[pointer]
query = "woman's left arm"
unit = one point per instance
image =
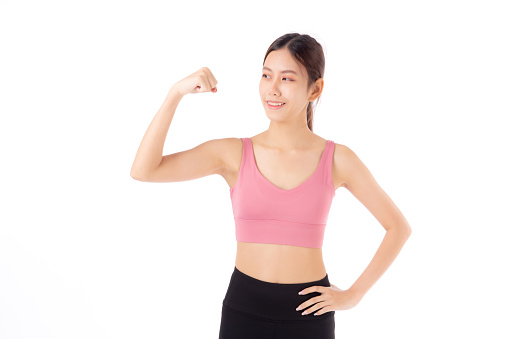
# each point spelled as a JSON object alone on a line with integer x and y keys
{"x": 361, "y": 183}
{"x": 356, "y": 177}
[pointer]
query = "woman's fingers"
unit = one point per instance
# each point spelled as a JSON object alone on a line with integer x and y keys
{"x": 199, "y": 82}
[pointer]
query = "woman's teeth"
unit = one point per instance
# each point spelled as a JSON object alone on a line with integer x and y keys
{"x": 276, "y": 105}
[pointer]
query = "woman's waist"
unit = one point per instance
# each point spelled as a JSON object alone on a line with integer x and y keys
{"x": 280, "y": 263}
{"x": 275, "y": 301}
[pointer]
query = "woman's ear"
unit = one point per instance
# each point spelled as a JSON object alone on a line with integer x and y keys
{"x": 317, "y": 89}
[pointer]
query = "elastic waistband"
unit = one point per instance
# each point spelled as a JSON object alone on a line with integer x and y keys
{"x": 324, "y": 280}
{"x": 273, "y": 301}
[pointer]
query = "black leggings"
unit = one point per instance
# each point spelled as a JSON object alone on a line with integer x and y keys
{"x": 256, "y": 309}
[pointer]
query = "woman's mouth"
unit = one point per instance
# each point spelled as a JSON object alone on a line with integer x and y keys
{"x": 275, "y": 105}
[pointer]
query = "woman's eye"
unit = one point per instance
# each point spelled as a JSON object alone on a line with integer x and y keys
{"x": 265, "y": 75}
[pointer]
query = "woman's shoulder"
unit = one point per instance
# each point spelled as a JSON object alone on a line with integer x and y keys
{"x": 346, "y": 163}
{"x": 343, "y": 154}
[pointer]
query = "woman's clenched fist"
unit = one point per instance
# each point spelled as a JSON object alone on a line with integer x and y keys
{"x": 199, "y": 82}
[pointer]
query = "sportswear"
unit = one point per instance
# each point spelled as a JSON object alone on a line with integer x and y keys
{"x": 265, "y": 213}
{"x": 258, "y": 309}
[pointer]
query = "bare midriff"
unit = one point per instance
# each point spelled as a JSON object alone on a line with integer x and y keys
{"x": 283, "y": 264}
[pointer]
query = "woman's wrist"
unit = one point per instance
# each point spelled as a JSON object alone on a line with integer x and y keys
{"x": 175, "y": 93}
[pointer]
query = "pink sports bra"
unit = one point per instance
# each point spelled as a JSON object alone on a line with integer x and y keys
{"x": 265, "y": 213}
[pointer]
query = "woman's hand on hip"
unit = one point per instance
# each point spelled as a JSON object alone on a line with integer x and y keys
{"x": 331, "y": 299}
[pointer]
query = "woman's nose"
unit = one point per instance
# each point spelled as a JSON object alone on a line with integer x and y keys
{"x": 274, "y": 89}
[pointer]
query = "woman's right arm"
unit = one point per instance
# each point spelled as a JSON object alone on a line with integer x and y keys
{"x": 202, "y": 160}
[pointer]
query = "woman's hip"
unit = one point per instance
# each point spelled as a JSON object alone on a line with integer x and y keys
{"x": 272, "y": 301}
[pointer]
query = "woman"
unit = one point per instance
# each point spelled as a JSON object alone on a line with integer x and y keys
{"x": 282, "y": 182}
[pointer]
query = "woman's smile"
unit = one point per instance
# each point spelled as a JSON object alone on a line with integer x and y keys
{"x": 275, "y": 105}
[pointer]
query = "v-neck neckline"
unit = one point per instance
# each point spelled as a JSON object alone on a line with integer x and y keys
{"x": 322, "y": 159}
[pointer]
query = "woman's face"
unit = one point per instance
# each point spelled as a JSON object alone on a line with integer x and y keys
{"x": 289, "y": 88}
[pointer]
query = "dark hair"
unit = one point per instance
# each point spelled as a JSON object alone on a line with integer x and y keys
{"x": 309, "y": 53}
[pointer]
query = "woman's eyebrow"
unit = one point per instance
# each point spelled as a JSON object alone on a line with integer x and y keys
{"x": 285, "y": 71}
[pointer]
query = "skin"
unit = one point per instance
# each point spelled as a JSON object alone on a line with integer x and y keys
{"x": 286, "y": 154}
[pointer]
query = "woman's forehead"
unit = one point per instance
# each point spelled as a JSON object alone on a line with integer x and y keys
{"x": 281, "y": 61}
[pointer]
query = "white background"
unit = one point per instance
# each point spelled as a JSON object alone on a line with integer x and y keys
{"x": 419, "y": 90}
